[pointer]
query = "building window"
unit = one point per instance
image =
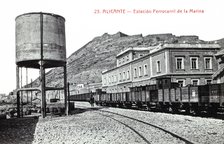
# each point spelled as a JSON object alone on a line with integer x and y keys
{"x": 181, "y": 82}
{"x": 194, "y": 63}
{"x": 105, "y": 81}
{"x": 119, "y": 61}
{"x": 145, "y": 69}
{"x": 140, "y": 71}
{"x": 128, "y": 75}
{"x": 135, "y": 72}
{"x": 208, "y": 63}
{"x": 120, "y": 76}
{"x": 179, "y": 63}
{"x": 158, "y": 68}
{"x": 124, "y": 76}
{"x": 134, "y": 55}
{"x": 109, "y": 79}
{"x": 208, "y": 81}
{"x": 127, "y": 58}
{"x": 195, "y": 82}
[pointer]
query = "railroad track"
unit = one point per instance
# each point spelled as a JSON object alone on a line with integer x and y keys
{"x": 126, "y": 125}
{"x": 123, "y": 119}
{"x": 144, "y": 123}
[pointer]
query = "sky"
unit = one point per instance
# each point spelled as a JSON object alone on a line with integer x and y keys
{"x": 86, "y": 19}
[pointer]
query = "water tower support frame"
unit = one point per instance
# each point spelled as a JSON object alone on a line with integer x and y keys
{"x": 47, "y": 32}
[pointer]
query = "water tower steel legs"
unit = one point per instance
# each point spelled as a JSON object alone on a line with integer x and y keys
{"x": 68, "y": 92}
{"x": 17, "y": 94}
{"x": 65, "y": 91}
{"x": 43, "y": 93}
{"x": 41, "y": 89}
{"x": 42, "y": 71}
{"x": 21, "y": 93}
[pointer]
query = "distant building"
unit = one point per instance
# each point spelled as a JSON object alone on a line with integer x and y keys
{"x": 93, "y": 87}
{"x": 84, "y": 88}
{"x": 218, "y": 76}
{"x": 185, "y": 63}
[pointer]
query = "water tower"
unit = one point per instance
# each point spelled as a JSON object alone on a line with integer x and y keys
{"x": 40, "y": 44}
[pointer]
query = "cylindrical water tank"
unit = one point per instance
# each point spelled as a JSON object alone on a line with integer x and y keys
{"x": 40, "y": 36}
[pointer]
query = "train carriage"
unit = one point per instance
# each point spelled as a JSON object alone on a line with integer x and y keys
{"x": 168, "y": 96}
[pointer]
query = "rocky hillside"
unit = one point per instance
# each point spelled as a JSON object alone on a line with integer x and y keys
{"x": 221, "y": 42}
{"x": 86, "y": 64}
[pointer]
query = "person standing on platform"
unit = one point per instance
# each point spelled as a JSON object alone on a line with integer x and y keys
{"x": 91, "y": 101}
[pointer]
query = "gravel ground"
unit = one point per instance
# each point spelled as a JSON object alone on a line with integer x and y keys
{"x": 148, "y": 133}
{"x": 91, "y": 127}
{"x": 17, "y": 131}
{"x": 196, "y": 129}
{"x": 88, "y": 126}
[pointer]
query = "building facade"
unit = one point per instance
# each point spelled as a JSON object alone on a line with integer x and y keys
{"x": 218, "y": 76}
{"x": 186, "y": 64}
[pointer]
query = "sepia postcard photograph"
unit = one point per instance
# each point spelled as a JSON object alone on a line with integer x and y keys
{"x": 112, "y": 72}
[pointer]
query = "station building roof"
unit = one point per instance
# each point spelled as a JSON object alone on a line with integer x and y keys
{"x": 163, "y": 46}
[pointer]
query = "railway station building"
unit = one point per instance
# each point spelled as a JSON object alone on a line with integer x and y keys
{"x": 184, "y": 63}
{"x": 218, "y": 76}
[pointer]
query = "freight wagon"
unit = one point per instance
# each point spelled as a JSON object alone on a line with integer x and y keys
{"x": 86, "y": 96}
{"x": 168, "y": 96}
{"x": 165, "y": 96}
